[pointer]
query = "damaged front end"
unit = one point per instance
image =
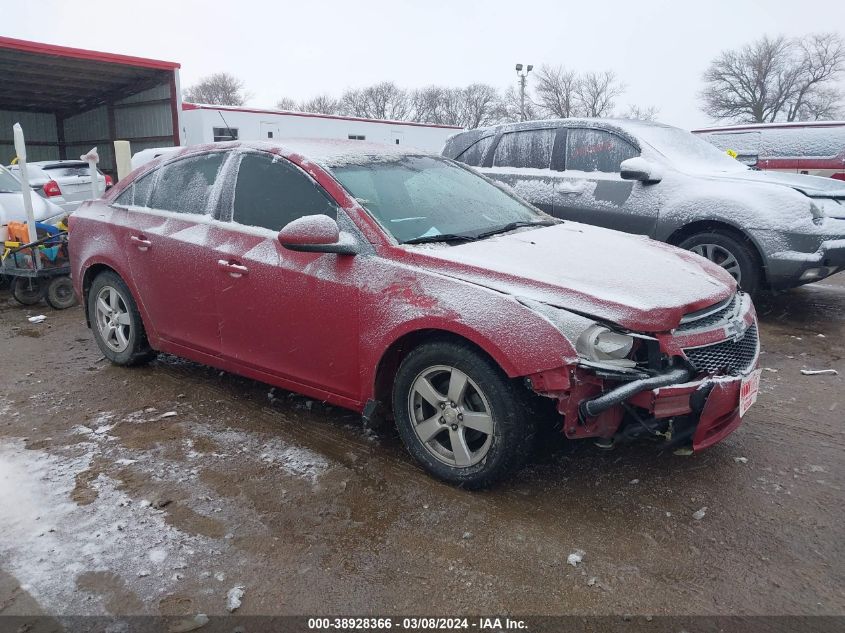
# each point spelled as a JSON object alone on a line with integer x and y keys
{"x": 683, "y": 386}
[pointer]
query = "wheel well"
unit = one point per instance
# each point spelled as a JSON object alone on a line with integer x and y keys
{"x": 719, "y": 227}
{"x": 87, "y": 279}
{"x": 398, "y": 350}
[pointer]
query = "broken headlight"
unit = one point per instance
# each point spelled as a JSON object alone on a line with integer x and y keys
{"x": 601, "y": 344}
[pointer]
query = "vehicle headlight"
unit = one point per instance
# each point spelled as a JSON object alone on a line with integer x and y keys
{"x": 594, "y": 343}
{"x": 600, "y": 344}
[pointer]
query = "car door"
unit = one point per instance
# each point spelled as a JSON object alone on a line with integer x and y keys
{"x": 285, "y": 313}
{"x": 521, "y": 160}
{"x": 168, "y": 230}
{"x": 588, "y": 184}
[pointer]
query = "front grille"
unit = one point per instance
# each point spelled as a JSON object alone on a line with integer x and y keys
{"x": 732, "y": 357}
{"x": 721, "y": 313}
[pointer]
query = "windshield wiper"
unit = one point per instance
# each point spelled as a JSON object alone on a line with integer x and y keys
{"x": 443, "y": 237}
{"x": 514, "y": 225}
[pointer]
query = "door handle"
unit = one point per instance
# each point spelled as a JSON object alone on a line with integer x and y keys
{"x": 141, "y": 242}
{"x": 233, "y": 268}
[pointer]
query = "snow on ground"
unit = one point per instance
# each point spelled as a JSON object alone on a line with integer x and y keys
{"x": 48, "y": 539}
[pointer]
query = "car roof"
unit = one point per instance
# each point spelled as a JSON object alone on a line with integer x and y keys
{"x": 627, "y": 128}
{"x": 327, "y": 153}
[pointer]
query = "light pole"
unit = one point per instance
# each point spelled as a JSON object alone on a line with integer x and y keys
{"x": 522, "y": 76}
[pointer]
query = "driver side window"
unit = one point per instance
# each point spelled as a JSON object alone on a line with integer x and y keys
{"x": 596, "y": 150}
{"x": 270, "y": 192}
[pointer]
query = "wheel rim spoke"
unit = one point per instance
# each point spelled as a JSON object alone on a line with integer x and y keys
{"x": 481, "y": 422}
{"x": 113, "y": 319}
{"x": 457, "y": 386}
{"x": 124, "y": 319}
{"x": 429, "y": 428}
{"x": 463, "y": 456}
{"x": 424, "y": 387}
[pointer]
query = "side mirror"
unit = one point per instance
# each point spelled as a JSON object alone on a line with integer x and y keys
{"x": 316, "y": 234}
{"x": 638, "y": 168}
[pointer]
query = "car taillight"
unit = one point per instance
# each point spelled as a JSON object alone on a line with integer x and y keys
{"x": 839, "y": 176}
{"x": 109, "y": 182}
{"x": 52, "y": 189}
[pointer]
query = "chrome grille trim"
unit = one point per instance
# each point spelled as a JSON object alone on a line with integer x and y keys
{"x": 721, "y": 311}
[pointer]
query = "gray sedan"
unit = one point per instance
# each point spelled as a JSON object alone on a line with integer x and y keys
{"x": 771, "y": 231}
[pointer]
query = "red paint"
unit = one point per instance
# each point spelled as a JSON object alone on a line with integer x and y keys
{"x": 801, "y": 163}
{"x": 320, "y": 323}
{"x": 40, "y": 48}
{"x": 311, "y": 115}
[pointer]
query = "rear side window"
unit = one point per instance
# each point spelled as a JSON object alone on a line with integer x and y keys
{"x": 596, "y": 150}
{"x": 528, "y": 148}
{"x": 138, "y": 193}
{"x": 474, "y": 154}
{"x": 185, "y": 186}
{"x": 271, "y": 192}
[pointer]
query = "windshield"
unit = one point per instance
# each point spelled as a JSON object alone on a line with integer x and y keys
{"x": 8, "y": 183}
{"x": 417, "y": 197}
{"x": 686, "y": 151}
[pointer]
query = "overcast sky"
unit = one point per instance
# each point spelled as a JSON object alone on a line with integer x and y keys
{"x": 299, "y": 49}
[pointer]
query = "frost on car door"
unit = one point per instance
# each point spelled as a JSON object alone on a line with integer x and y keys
{"x": 521, "y": 160}
{"x": 167, "y": 233}
{"x": 590, "y": 188}
{"x": 287, "y": 313}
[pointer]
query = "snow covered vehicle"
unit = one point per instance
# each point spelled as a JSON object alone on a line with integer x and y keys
{"x": 769, "y": 230}
{"x": 403, "y": 285}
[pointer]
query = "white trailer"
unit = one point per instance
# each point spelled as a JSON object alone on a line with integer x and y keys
{"x": 212, "y": 123}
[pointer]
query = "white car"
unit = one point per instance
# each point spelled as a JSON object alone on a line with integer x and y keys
{"x": 144, "y": 156}
{"x": 11, "y": 203}
{"x": 67, "y": 183}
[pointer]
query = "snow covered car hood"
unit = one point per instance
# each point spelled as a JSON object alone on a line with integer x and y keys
{"x": 813, "y": 186}
{"x": 638, "y": 283}
{"x": 12, "y": 209}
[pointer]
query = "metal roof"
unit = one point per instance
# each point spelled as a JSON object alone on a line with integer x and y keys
{"x": 40, "y": 77}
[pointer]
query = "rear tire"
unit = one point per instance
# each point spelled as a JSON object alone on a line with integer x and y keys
{"x": 460, "y": 416}
{"x": 116, "y": 322}
{"x": 60, "y": 293}
{"x": 27, "y": 290}
{"x": 729, "y": 252}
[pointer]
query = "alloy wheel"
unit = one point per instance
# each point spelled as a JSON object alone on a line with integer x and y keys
{"x": 721, "y": 256}
{"x": 113, "y": 319}
{"x": 451, "y": 416}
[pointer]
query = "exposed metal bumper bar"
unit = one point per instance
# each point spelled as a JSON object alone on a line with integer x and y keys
{"x": 590, "y": 408}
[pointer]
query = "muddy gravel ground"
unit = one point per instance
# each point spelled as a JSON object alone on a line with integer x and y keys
{"x": 157, "y": 490}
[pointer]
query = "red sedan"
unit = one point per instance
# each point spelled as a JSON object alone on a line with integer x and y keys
{"x": 409, "y": 287}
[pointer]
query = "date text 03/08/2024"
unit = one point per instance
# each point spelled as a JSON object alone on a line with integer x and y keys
{"x": 417, "y": 624}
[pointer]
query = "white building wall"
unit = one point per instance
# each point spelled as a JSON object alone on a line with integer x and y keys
{"x": 198, "y": 127}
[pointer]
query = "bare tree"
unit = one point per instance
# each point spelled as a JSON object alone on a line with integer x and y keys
{"x": 286, "y": 103}
{"x": 641, "y": 113}
{"x": 383, "y": 100}
{"x": 427, "y": 105}
{"x": 555, "y": 91}
{"x": 596, "y": 91}
{"x": 775, "y": 78}
{"x": 824, "y": 104}
{"x": 478, "y": 106}
{"x": 218, "y": 89}
{"x": 321, "y": 104}
{"x": 509, "y": 109}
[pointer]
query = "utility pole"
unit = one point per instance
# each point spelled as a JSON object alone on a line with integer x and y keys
{"x": 522, "y": 78}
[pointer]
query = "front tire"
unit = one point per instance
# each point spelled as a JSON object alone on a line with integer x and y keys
{"x": 729, "y": 252}
{"x": 116, "y": 322}
{"x": 460, "y": 416}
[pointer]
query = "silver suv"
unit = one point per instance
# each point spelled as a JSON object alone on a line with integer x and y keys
{"x": 771, "y": 231}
